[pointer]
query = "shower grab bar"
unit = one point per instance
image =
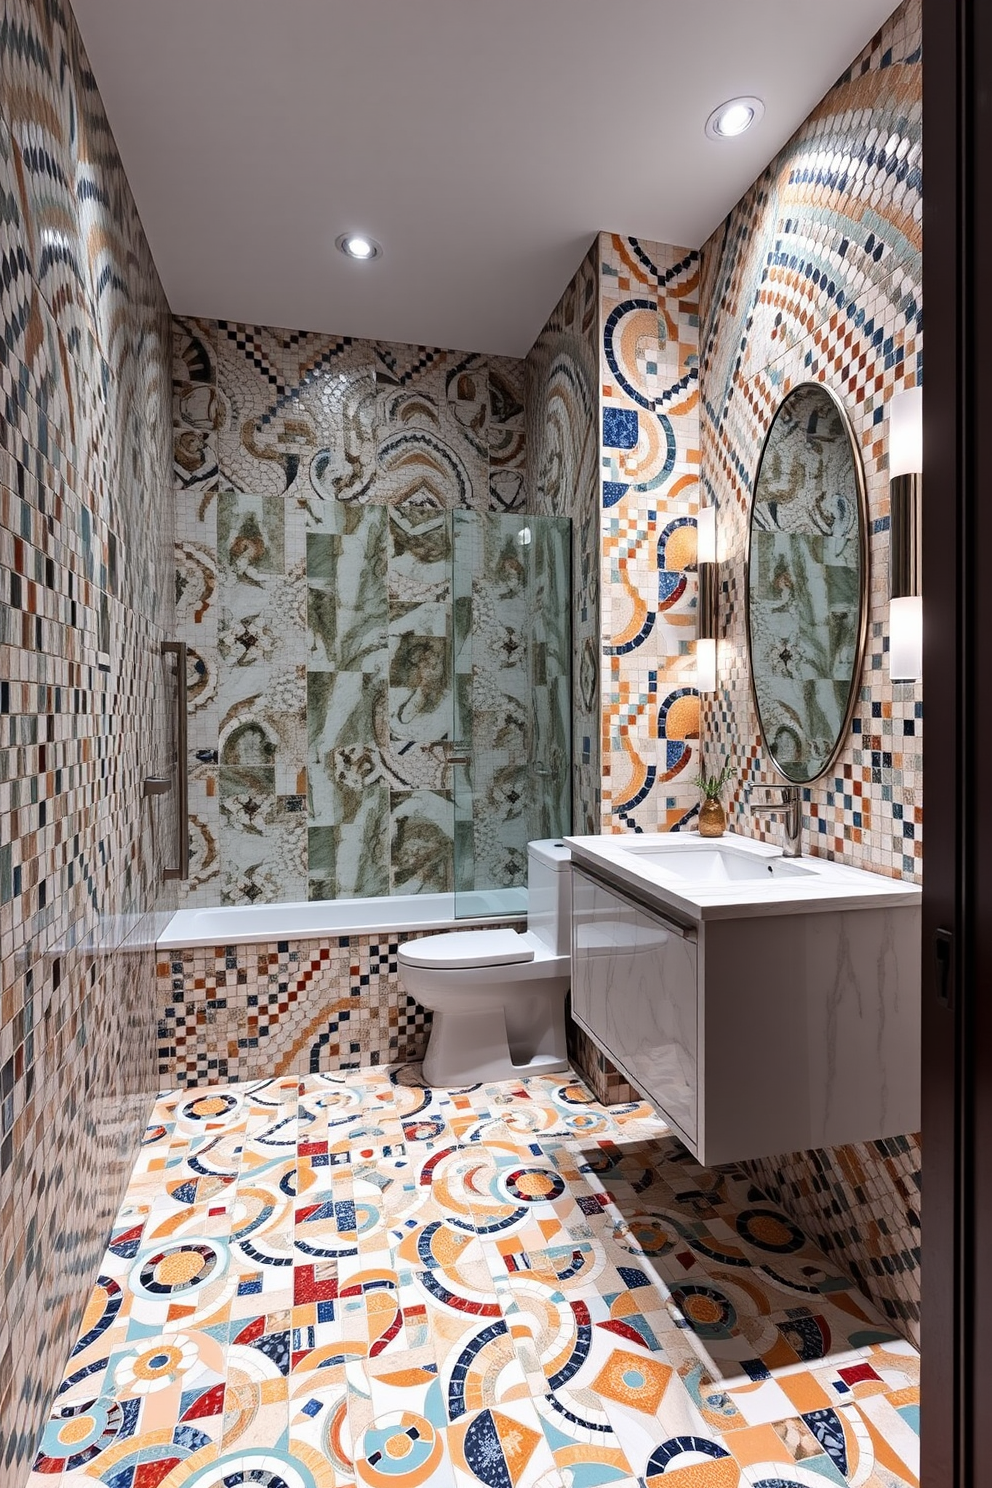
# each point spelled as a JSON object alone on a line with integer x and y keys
{"x": 449, "y": 746}
{"x": 181, "y": 765}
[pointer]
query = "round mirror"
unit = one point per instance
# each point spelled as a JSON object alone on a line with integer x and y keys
{"x": 807, "y": 582}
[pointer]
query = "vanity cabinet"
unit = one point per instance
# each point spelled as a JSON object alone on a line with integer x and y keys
{"x": 618, "y": 944}
{"x": 753, "y": 1034}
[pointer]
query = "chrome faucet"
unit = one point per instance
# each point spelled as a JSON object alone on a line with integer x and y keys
{"x": 788, "y": 806}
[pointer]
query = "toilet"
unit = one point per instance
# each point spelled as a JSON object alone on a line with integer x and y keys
{"x": 498, "y": 996}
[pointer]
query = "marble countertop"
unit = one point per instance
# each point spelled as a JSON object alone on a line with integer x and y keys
{"x": 658, "y": 868}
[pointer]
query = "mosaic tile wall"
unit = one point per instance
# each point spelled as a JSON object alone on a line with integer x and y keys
{"x": 816, "y": 276}
{"x": 613, "y": 378}
{"x": 649, "y": 326}
{"x": 85, "y": 697}
{"x": 246, "y": 1012}
{"x": 599, "y": 1072}
{"x": 562, "y": 413}
{"x": 862, "y": 1205}
{"x": 316, "y": 480}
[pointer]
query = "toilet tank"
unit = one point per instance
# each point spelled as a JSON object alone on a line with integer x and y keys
{"x": 549, "y": 894}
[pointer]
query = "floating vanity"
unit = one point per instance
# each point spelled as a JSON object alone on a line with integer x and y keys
{"x": 764, "y": 1004}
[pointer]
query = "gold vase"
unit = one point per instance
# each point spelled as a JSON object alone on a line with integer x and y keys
{"x": 712, "y": 817}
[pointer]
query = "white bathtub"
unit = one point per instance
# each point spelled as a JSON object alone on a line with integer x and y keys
{"x": 263, "y": 923}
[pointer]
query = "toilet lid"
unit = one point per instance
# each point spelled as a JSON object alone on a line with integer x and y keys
{"x": 457, "y": 948}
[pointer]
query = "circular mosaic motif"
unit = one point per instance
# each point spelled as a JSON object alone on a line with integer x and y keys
{"x": 586, "y": 1123}
{"x": 574, "y": 1095}
{"x": 177, "y": 1269}
{"x": 211, "y": 1106}
{"x": 282, "y": 1134}
{"x": 649, "y": 1235}
{"x": 398, "y": 1445}
{"x": 694, "y": 1451}
{"x": 533, "y": 1185}
{"x": 103, "y": 1306}
{"x": 423, "y": 1131}
{"x": 796, "y": 1477}
{"x": 158, "y": 1365}
{"x": 293, "y": 1183}
{"x": 708, "y": 1312}
{"x": 253, "y": 1210}
{"x": 770, "y": 1231}
{"x": 77, "y": 1433}
{"x": 630, "y": 337}
{"x": 270, "y": 1468}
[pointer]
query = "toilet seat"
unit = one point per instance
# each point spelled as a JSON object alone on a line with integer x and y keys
{"x": 458, "y": 950}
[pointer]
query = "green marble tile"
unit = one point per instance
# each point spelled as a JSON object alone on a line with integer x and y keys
{"x": 250, "y": 536}
{"x": 421, "y": 844}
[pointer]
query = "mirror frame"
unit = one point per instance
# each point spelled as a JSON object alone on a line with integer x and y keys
{"x": 864, "y": 556}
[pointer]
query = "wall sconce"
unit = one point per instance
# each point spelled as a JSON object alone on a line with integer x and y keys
{"x": 905, "y": 535}
{"x": 706, "y": 602}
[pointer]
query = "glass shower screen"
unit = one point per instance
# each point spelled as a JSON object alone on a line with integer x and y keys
{"x": 509, "y": 757}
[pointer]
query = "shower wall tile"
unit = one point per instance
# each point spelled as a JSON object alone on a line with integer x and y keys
{"x": 421, "y": 841}
{"x": 315, "y": 476}
{"x": 562, "y": 409}
{"x": 816, "y": 276}
{"x": 507, "y": 434}
{"x": 344, "y": 712}
{"x": 197, "y": 409}
{"x": 86, "y": 698}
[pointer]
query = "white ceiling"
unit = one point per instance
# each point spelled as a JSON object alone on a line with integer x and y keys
{"x": 483, "y": 144}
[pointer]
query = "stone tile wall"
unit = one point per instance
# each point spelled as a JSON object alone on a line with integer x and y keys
{"x": 562, "y": 443}
{"x": 324, "y": 584}
{"x": 816, "y": 276}
{"x": 85, "y": 696}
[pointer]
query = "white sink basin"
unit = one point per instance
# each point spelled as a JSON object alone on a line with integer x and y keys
{"x": 719, "y": 865}
{"x": 706, "y": 879}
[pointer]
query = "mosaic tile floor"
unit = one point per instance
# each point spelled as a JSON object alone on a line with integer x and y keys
{"x": 353, "y": 1280}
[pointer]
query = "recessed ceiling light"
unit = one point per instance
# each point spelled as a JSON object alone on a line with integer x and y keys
{"x": 358, "y": 245}
{"x": 734, "y": 117}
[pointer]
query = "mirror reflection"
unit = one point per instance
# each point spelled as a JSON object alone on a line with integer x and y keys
{"x": 807, "y": 582}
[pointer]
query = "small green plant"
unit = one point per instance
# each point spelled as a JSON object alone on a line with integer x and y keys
{"x": 712, "y": 785}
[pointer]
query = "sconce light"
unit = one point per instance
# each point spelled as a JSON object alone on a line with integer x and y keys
{"x": 706, "y": 602}
{"x": 905, "y": 535}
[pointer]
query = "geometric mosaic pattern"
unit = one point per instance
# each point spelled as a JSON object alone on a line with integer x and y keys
{"x": 816, "y": 276}
{"x": 861, "y": 1204}
{"x": 649, "y": 322}
{"x": 85, "y": 710}
{"x": 246, "y": 1011}
{"x": 613, "y": 378}
{"x": 353, "y": 1279}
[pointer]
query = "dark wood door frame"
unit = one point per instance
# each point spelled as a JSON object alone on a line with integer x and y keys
{"x": 957, "y": 689}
